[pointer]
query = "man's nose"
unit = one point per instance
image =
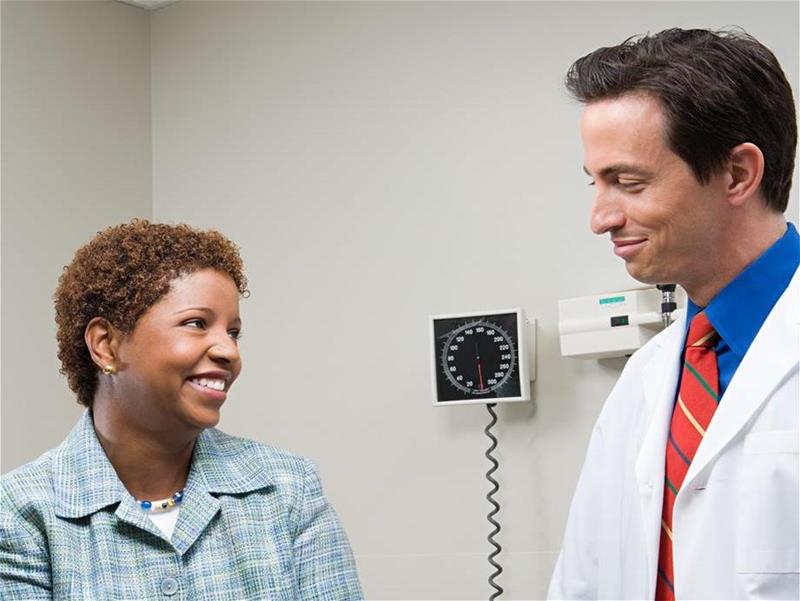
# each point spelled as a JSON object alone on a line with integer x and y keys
{"x": 607, "y": 214}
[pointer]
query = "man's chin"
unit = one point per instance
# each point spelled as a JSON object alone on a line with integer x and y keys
{"x": 642, "y": 274}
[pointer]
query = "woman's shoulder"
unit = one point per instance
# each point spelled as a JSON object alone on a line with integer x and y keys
{"x": 27, "y": 491}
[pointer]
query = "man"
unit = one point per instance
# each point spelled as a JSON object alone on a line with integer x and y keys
{"x": 690, "y": 486}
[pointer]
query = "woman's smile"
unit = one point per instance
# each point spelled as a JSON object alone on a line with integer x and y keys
{"x": 212, "y": 384}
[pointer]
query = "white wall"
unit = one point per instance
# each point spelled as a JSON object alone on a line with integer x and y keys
{"x": 379, "y": 162}
{"x": 75, "y": 159}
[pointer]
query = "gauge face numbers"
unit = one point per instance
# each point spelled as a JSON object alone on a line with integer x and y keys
{"x": 478, "y": 357}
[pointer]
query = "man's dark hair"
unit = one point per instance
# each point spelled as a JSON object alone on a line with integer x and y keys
{"x": 718, "y": 89}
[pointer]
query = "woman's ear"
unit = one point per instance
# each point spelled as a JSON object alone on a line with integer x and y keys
{"x": 102, "y": 340}
{"x": 746, "y": 168}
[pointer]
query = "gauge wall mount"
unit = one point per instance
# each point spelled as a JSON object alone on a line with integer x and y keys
{"x": 479, "y": 357}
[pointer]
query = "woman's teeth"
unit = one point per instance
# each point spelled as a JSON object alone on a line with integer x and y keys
{"x": 210, "y": 383}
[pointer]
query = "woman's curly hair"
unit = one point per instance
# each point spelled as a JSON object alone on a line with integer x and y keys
{"x": 122, "y": 272}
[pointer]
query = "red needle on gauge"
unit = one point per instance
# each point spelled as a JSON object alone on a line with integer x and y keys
{"x": 480, "y": 369}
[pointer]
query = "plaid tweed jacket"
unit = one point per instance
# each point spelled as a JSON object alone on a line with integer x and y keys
{"x": 254, "y": 524}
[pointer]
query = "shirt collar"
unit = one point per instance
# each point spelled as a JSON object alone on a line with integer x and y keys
{"x": 740, "y": 308}
{"x": 86, "y": 482}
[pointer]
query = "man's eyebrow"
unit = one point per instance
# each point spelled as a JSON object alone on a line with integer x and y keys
{"x": 618, "y": 168}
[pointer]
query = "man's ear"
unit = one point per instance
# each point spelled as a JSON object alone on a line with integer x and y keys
{"x": 102, "y": 340}
{"x": 746, "y": 169}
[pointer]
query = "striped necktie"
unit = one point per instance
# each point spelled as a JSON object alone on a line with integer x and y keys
{"x": 697, "y": 400}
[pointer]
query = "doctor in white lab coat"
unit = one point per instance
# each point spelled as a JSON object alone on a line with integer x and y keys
{"x": 735, "y": 522}
{"x": 736, "y": 516}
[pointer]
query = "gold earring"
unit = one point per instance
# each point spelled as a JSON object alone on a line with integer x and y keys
{"x": 108, "y": 370}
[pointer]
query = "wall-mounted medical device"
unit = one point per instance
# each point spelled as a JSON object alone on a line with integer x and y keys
{"x": 614, "y": 324}
{"x": 485, "y": 357}
{"x": 482, "y": 357}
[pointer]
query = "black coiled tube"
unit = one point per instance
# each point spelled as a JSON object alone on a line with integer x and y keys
{"x": 498, "y": 569}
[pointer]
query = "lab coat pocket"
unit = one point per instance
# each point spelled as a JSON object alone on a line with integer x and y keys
{"x": 769, "y": 514}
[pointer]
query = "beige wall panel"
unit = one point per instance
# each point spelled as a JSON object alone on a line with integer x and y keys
{"x": 75, "y": 158}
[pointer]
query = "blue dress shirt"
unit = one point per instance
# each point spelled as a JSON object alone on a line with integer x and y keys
{"x": 740, "y": 308}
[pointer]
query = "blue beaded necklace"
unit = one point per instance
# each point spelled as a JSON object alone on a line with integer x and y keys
{"x": 163, "y": 504}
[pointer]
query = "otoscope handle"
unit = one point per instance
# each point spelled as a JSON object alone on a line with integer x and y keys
{"x": 668, "y": 304}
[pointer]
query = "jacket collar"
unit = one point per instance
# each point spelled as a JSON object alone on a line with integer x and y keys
{"x": 228, "y": 465}
{"x": 83, "y": 478}
{"x": 85, "y": 481}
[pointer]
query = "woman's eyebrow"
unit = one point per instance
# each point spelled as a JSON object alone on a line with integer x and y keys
{"x": 193, "y": 308}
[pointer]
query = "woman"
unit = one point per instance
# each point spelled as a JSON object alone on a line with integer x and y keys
{"x": 145, "y": 498}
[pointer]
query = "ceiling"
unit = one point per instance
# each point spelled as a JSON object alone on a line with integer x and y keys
{"x": 149, "y": 4}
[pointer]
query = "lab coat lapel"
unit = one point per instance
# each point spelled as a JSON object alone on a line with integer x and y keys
{"x": 773, "y": 353}
{"x": 659, "y": 379}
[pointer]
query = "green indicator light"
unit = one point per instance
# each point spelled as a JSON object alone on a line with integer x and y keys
{"x": 612, "y": 299}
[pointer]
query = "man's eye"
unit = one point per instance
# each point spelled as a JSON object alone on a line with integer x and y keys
{"x": 631, "y": 186}
{"x": 591, "y": 183}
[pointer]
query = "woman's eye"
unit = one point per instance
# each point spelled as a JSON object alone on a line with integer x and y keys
{"x": 235, "y": 334}
{"x": 194, "y": 323}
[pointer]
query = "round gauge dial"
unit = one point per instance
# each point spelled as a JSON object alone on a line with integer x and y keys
{"x": 478, "y": 358}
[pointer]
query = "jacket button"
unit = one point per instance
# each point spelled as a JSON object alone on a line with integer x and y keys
{"x": 169, "y": 586}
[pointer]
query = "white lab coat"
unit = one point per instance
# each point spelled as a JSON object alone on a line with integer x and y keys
{"x": 736, "y": 520}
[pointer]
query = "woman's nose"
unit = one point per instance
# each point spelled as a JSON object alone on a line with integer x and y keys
{"x": 225, "y": 349}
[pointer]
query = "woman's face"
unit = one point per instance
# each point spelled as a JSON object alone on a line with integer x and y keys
{"x": 176, "y": 366}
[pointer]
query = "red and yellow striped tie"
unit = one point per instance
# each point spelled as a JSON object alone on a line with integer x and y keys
{"x": 697, "y": 400}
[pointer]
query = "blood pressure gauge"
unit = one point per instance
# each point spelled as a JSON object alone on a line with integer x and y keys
{"x": 479, "y": 358}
